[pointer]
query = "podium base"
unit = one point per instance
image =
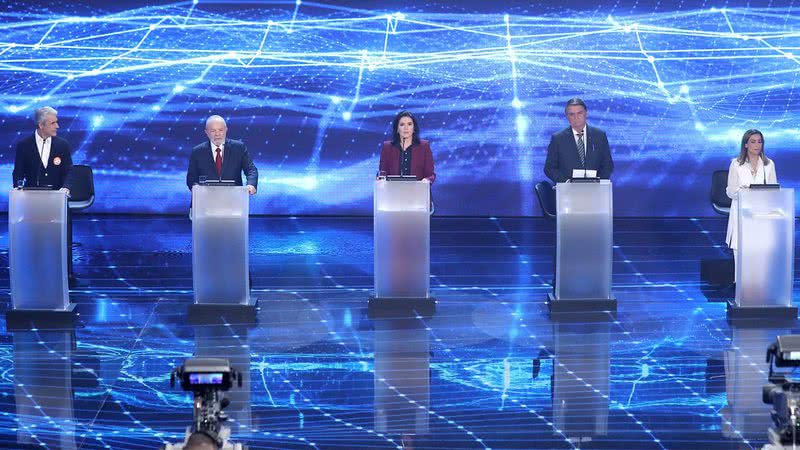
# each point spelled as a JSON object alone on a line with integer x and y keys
{"x": 220, "y": 313}
{"x": 25, "y": 319}
{"x": 580, "y": 305}
{"x": 761, "y": 312}
{"x": 383, "y": 307}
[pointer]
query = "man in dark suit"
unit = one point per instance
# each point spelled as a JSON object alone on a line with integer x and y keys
{"x": 221, "y": 159}
{"x": 578, "y": 146}
{"x": 43, "y": 159}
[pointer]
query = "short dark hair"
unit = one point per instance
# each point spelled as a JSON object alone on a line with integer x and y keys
{"x": 396, "y": 122}
{"x": 576, "y": 101}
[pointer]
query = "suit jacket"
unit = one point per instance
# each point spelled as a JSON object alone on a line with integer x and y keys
{"x": 562, "y": 155}
{"x": 28, "y": 165}
{"x": 421, "y": 160}
{"x": 235, "y": 160}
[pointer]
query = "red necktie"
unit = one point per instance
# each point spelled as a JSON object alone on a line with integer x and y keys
{"x": 219, "y": 162}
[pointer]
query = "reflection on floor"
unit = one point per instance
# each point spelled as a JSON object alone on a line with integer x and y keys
{"x": 489, "y": 370}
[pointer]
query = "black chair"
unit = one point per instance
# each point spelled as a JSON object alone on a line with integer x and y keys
{"x": 81, "y": 196}
{"x": 82, "y": 191}
{"x": 547, "y": 198}
{"x": 719, "y": 199}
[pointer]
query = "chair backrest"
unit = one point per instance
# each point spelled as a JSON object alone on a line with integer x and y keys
{"x": 82, "y": 185}
{"x": 719, "y": 199}
{"x": 547, "y": 198}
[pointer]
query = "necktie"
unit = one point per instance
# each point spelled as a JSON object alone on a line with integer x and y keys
{"x": 581, "y": 149}
{"x": 219, "y": 162}
{"x": 41, "y": 153}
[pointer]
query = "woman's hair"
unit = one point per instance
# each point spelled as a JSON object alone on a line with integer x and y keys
{"x": 396, "y": 122}
{"x": 742, "y": 158}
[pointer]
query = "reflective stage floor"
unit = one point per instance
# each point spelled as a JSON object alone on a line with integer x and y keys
{"x": 489, "y": 370}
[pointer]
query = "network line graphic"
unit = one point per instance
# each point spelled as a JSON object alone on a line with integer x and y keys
{"x": 311, "y": 88}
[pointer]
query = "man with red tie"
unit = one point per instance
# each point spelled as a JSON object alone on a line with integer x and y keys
{"x": 220, "y": 158}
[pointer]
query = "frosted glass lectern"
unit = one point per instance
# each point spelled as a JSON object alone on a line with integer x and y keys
{"x": 37, "y": 228}
{"x": 765, "y": 253}
{"x": 584, "y": 212}
{"x": 220, "y": 260}
{"x": 402, "y": 242}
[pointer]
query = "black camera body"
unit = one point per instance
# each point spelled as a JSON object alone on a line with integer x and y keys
{"x": 206, "y": 378}
{"x": 782, "y": 392}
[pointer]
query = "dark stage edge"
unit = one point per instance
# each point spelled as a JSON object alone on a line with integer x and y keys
{"x": 24, "y": 319}
{"x": 588, "y": 305}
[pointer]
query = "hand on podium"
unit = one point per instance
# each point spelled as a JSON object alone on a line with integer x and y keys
{"x": 64, "y": 190}
{"x": 251, "y": 190}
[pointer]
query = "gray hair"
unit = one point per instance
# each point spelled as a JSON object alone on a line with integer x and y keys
{"x": 215, "y": 118}
{"x": 40, "y": 114}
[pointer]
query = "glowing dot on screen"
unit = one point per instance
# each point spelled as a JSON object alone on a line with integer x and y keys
{"x": 194, "y": 2}
{"x": 347, "y": 115}
{"x": 684, "y": 89}
{"x": 156, "y": 108}
{"x": 97, "y": 121}
{"x": 516, "y": 103}
{"x": 336, "y": 100}
{"x": 178, "y": 88}
{"x": 298, "y": 2}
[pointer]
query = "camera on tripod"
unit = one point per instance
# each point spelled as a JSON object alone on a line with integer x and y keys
{"x": 782, "y": 392}
{"x": 206, "y": 378}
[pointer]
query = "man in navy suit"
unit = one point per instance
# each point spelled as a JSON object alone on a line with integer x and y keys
{"x": 221, "y": 159}
{"x": 578, "y": 146}
{"x": 43, "y": 159}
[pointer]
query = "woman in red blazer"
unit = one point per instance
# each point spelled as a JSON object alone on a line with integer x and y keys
{"x": 406, "y": 153}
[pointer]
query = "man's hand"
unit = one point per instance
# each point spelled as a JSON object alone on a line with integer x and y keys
{"x": 251, "y": 190}
{"x": 64, "y": 190}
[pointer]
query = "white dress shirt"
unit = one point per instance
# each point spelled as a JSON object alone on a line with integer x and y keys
{"x": 214, "y": 151}
{"x": 585, "y": 139}
{"x": 740, "y": 176}
{"x": 44, "y": 148}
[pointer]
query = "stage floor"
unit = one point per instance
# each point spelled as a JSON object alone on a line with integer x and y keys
{"x": 489, "y": 370}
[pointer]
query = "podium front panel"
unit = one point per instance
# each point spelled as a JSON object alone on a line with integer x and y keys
{"x": 220, "y": 260}
{"x": 765, "y": 264}
{"x": 402, "y": 239}
{"x": 37, "y": 228}
{"x": 584, "y": 240}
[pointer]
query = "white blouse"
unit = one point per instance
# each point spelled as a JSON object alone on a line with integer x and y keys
{"x": 740, "y": 176}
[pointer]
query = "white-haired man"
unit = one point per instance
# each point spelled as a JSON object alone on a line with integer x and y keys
{"x": 220, "y": 158}
{"x": 43, "y": 159}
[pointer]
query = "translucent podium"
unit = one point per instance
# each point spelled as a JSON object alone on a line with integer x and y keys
{"x": 220, "y": 260}
{"x": 402, "y": 245}
{"x": 765, "y": 253}
{"x": 584, "y": 241}
{"x": 37, "y": 228}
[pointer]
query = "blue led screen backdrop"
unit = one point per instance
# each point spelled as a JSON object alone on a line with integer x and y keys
{"x": 311, "y": 88}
